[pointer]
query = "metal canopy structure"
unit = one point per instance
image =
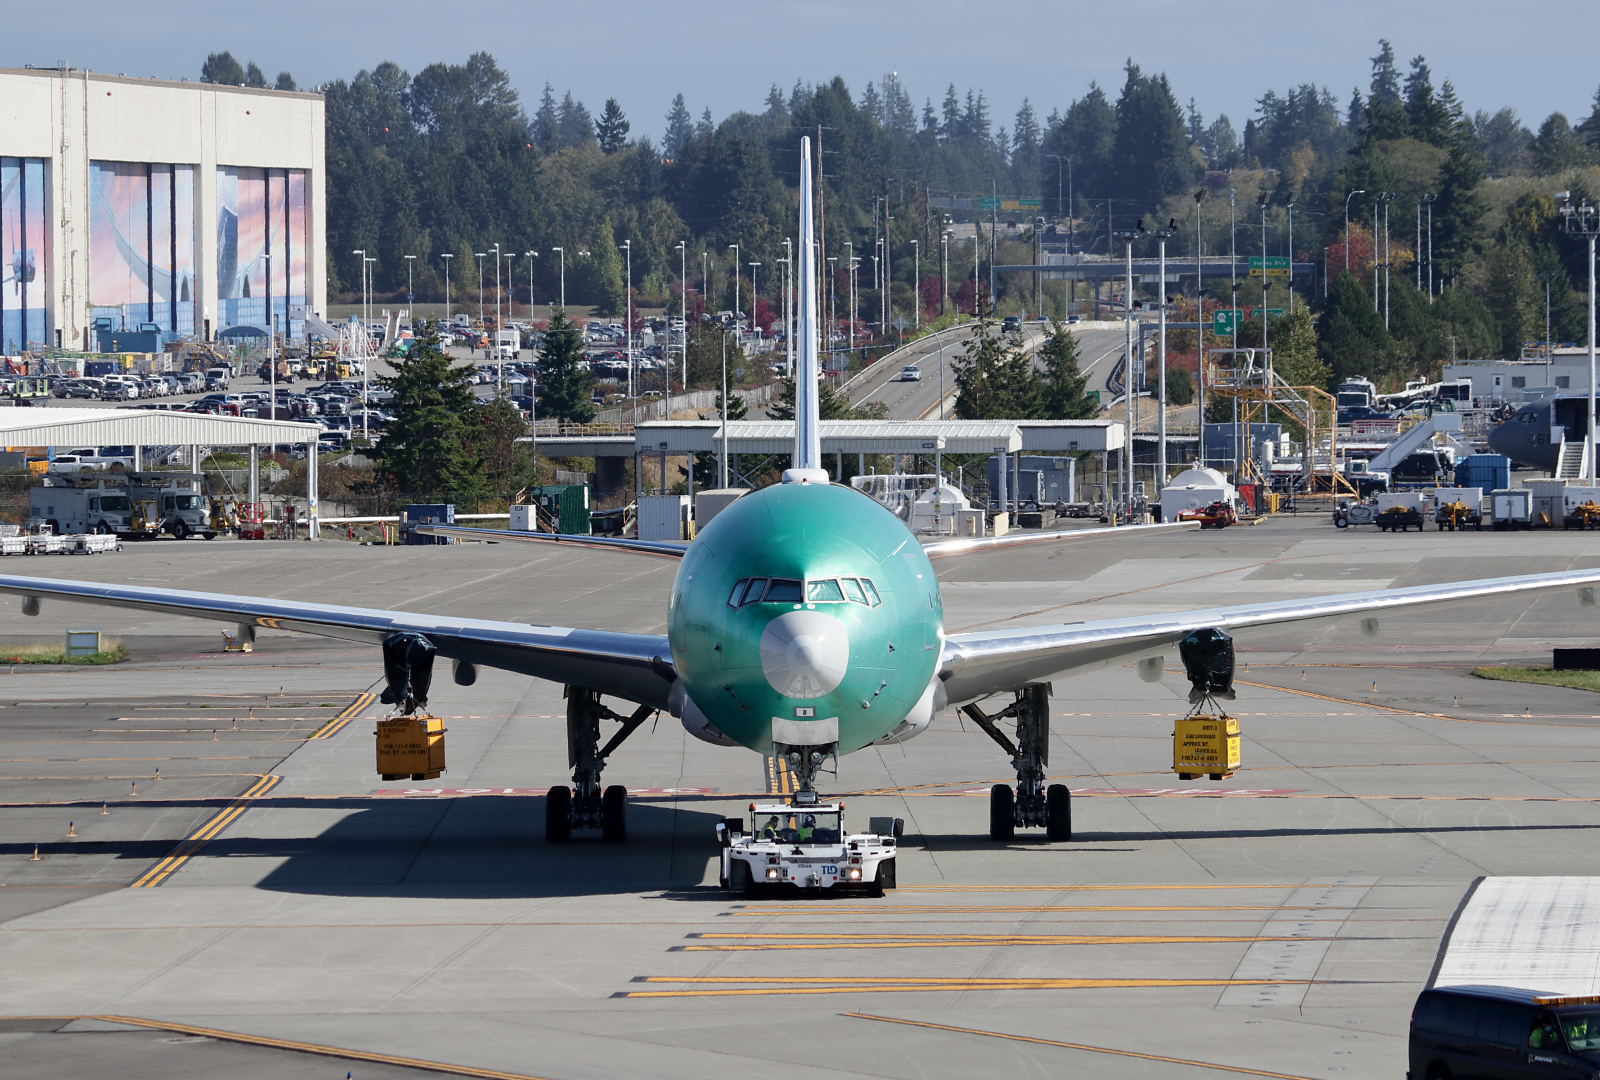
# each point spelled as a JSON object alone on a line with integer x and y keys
{"x": 838, "y": 436}
{"x": 140, "y": 428}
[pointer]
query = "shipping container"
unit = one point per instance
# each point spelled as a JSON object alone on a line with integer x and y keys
{"x": 1486, "y": 471}
{"x": 664, "y": 517}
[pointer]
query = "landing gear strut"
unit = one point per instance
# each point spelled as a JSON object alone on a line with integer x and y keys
{"x": 805, "y": 762}
{"x": 1032, "y": 804}
{"x": 585, "y": 805}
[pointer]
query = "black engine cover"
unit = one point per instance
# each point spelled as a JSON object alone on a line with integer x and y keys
{"x": 1208, "y": 659}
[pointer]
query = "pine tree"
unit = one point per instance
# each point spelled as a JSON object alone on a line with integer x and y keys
{"x": 546, "y": 125}
{"x": 286, "y": 81}
{"x": 995, "y": 379}
{"x": 831, "y": 405}
{"x": 253, "y": 77}
{"x": 573, "y": 125}
{"x": 1386, "y": 114}
{"x": 606, "y": 289}
{"x": 1458, "y": 213}
{"x": 612, "y": 128}
{"x": 429, "y": 446}
{"x": 221, "y": 68}
{"x": 1151, "y": 150}
{"x": 1066, "y": 395}
{"x": 563, "y": 381}
{"x": 776, "y": 109}
{"x": 1558, "y": 148}
{"x": 1427, "y": 118}
{"x": 680, "y": 129}
{"x": 1590, "y": 128}
{"x": 1350, "y": 335}
{"x": 706, "y": 126}
{"x": 1515, "y": 296}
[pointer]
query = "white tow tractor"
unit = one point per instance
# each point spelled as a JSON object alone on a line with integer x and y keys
{"x": 805, "y": 848}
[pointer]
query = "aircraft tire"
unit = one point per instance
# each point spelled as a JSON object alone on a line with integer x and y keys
{"x": 1002, "y": 820}
{"x": 1058, "y": 813}
{"x": 558, "y": 815}
{"x": 614, "y": 814}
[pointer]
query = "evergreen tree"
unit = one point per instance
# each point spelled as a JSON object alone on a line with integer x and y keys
{"x": 831, "y": 405}
{"x": 1085, "y": 136}
{"x": 1505, "y": 145}
{"x": 1558, "y": 148}
{"x": 776, "y": 108}
{"x": 1066, "y": 394}
{"x": 1458, "y": 213}
{"x": 429, "y": 447}
{"x": 1180, "y": 386}
{"x": 1150, "y": 153}
{"x": 707, "y": 340}
{"x": 604, "y": 287}
{"x": 573, "y": 125}
{"x": 995, "y": 379}
{"x": 1515, "y": 296}
{"x": 680, "y": 129}
{"x": 1294, "y": 351}
{"x": 612, "y": 128}
{"x": 508, "y": 464}
{"x": 1427, "y": 118}
{"x": 253, "y": 77}
{"x": 221, "y": 68}
{"x": 546, "y": 125}
{"x": 1386, "y": 114}
{"x": 286, "y": 81}
{"x": 1351, "y": 339}
{"x": 563, "y": 381}
{"x": 1590, "y": 128}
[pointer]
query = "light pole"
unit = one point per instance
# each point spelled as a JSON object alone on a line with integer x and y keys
{"x": 683, "y": 309}
{"x": 1431, "y": 200}
{"x": 1162, "y": 235}
{"x": 916, "y": 284}
{"x": 1388, "y": 197}
{"x": 1347, "y": 198}
{"x": 367, "y": 266}
{"x": 788, "y": 308}
{"x": 498, "y": 324}
{"x": 1584, "y": 221}
{"x": 447, "y": 257}
{"x": 1290, "y": 283}
{"x": 411, "y": 262}
{"x": 850, "y": 265}
{"x": 563, "y": 253}
{"x": 882, "y": 328}
{"x": 833, "y": 301}
{"x": 944, "y": 271}
{"x": 755, "y": 299}
{"x": 1060, "y": 207}
{"x": 1125, "y": 472}
{"x": 722, "y": 464}
{"x": 735, "y": 249}
{"x": 531, "y": 256}
{"x": 479, "y": 256}
{"x": 627, "y": 326}
{"x": 363, "y": 253}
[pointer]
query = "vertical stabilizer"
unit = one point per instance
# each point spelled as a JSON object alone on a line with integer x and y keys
{"x": 806, "y": 467}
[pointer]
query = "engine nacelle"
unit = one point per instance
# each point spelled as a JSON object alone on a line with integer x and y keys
{"x": 694, "y": 721}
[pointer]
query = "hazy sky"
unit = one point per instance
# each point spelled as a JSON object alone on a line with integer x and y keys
{"x": 725, "y": 55}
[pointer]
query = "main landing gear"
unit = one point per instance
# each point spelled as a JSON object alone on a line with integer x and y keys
{"x": 1031, "y": 804}
{"x": 585, "y": 805}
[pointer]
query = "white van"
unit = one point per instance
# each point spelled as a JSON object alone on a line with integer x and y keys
{"x": 507, "y": 345}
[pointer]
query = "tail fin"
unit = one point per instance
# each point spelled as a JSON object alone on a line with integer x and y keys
{"x": 806, "y": 468}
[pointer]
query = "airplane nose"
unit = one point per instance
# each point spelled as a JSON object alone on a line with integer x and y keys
{"x": 805, "y": 654}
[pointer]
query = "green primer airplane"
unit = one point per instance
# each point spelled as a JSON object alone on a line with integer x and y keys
{"x": 804, "y": 621}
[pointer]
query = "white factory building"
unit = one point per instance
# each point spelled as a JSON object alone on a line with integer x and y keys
{"x": 192, "y": 206}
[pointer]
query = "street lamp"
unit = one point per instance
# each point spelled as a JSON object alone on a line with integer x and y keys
{"x": 833, "y": 305}
{"x": 1428, "y": 201}
{"x": 788, "y": 307}
{"x": 563, "y": 253}
{"x": 1584, "y": 221}
{"x": 944, "y": 271}
{"x": 479, "y": 256}
{"x": 735, "y": 249}
{"x": 1125, "y": 470}
{"x": 411, "y": 262}
{"x": 531, "y": 256}
{"x": 362, "y": 252}
{"x": 916, "y": 285}
{"x": 683, "y": 305}
{"x": 755, "y": 298}
{"x": 1347, "y": 198}
{"x": 850, "y": 265}
{"x": 627, "y": 326}
{"x": 1162, "y": 236}
{"x": 446, "y": 257}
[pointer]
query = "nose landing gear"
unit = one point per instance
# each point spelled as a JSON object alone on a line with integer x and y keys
{"x": 1032, "y": 803}
{"x": 586, "y": 805}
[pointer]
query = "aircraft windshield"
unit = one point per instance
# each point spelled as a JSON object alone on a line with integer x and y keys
{"x": 789, "y": 591}
{"x": 827, "y": 589}
{"x": 794, "y": 827}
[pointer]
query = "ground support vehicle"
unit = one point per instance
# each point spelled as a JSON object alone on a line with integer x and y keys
{"x": 1218, "y": 515}
{"x": 1500, "y": 1032}
{"x": 1457, "y": 515}
{"x": 68, "y": 504}
{"x": 804, "y": 848}
{"x": 1399, "y": 518}
{"x": 1356, "y": 513}
{"x": 1583, "y": 516}
{"x": 181, "y": 503}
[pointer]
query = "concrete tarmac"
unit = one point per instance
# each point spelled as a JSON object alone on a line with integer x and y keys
{"x": 1276, "y": 923}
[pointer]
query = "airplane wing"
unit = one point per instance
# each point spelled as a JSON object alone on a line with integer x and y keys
{"x": 633, "y": 666}
{"x": 941, "y": 548}
{"x": 977, "y": 665}
{"x": 668, "y": 548}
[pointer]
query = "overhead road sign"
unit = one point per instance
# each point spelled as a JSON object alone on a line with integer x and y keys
{"x": 1271, "y": 266}
{"x": 987, "y": 203}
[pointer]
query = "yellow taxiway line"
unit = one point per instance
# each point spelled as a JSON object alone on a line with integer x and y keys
{"x": 1239, "y": 1069}
{"x": 795, "y": 942}
{"x": 205, "y": 833}
{"x": 347, "y": 714}
{"x": 753, "y": 987}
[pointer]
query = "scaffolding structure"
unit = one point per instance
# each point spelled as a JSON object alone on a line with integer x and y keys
{"x": 1249, "y": 379}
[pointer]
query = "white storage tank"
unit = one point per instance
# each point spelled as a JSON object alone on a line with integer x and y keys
{"x": 1195, "y": 489}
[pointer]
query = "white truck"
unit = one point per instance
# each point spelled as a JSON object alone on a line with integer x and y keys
{"x": 507, "y": 345}
{"x": 805, "y": 849}
{"x": 72, "y": 505}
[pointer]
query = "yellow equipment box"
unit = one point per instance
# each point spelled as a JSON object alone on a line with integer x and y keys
{"x": 410, "y": 746}
{"x": 1205, "y": 744}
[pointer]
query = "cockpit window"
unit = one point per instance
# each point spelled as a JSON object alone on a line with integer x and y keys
{"x": 826, "y": 589}
{"x": 783, "y": 591}
{"x": 746, "y": 591}
{"x": 872, "y": 594}
{"x": 737, "y": 595}
{"x": 852, "y": 590}
{"x": 1528, "y": 418}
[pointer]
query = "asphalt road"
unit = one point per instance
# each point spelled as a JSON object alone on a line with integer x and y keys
{"x": 1277, "y": 923}
{"x": 919, "y": 399}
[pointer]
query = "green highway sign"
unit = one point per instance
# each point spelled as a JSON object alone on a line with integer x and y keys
{"x": 986, "y": 203}
{"x": 1271, "y": 266}
{"x": 1223, "y": 321}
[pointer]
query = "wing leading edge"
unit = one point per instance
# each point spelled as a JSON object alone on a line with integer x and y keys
{"x": 633, "y": 666}
{"x": 616, "y": 543}
{"x": 979, "y": 664}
